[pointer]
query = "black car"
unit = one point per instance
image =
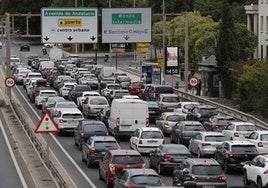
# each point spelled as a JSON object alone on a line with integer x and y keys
{"x": 218, "y": 122}
{"x": 88, "y": 128}
{"x": 183, "y": 131}
{"x": 24, "y": 47}
{"x": 154, "y": 110}
{"x": 233, "y": 154}
{"x": 168, "y": 156}
{"x": 95, "y": 148}
{"x": 201, "y": 113}
{"x": 76, "y": 91}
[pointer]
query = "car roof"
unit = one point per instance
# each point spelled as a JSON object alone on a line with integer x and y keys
{"x": 173, "y": 113}
{"x": 203, "y": 161}
{"x": 149, "y": 129}
{"x": 205, "y": 133}
{"x": 241, "y": 142}
{"x": 124, "y": 152}
{"x": 242, "y": 123}
{"x": 99, "y": 138}
{"x": 138, "y": 171}
{"x": 92, "y": 122}
{"x": 68, "y": 110}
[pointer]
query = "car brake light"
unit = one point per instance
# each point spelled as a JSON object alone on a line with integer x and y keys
{"x": 223, "y": 178}
{"x": 166, "y": 158}
{"x": 166, "y": 124}
{"x": 129, "y": 186}
{"x": 184, "y": 111}
{"x": 265, "y": 172}
{"x": 92, "y": 150}
{"x": 236, "y": 134}
{"x": 260, "y": 144}
{"x": 198, "y": 116}
{"x": 232, "y": 155}
{"x": 117, "y": 121}
{"x": 62, "y": 121}
{"x": 206, "y": 144}
{"x": 147, "y": 122}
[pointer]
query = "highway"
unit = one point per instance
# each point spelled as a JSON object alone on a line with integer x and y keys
{"x": 63, "y": 146}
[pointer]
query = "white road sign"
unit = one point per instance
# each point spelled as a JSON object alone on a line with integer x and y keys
{"x": 126, "y": 25}
{"x": 10, "y": 82}
{"x": 69, "y": 25}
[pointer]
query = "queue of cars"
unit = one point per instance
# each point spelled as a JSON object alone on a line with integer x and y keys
{"x": 97, "y": 110}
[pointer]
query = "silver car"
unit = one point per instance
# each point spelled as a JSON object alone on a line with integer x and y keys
{"x": 205, "y": 143}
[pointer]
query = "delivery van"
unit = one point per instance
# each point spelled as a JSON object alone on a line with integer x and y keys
{"x": 127, "y": 115}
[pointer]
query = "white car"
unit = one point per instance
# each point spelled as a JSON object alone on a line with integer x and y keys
{"x": 255, "y": 171}
{"x": 30, "y": 75}
{"x": 238, "y": 130}
{"x": 85, "y": 94}
{"x": 92, "y": 105}
{"x": 64, "y": 90}
{"x": 183, "y": 107}
{"x": 260, "y": 139}
{"x": 147, "y": 139}
{"x": 205, "y": 143}
{"x": 168, "y": 101}
{"x": 43, "y": 95}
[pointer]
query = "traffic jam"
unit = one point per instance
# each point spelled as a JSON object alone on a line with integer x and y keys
{"x": 98, "y": 106}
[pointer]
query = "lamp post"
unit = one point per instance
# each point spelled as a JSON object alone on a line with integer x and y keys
{"x": 164, "y": 34}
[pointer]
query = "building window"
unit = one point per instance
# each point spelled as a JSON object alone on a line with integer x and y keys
{"x": 261, "y": 24}
{"x": 261, "y": 51}
{"x": 266, "y": 51}
{"x": 267, "y": 24}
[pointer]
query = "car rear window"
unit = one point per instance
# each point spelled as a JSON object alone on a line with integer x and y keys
{"x": 206, "y": 169}
{"x": 193, "y": 128}
{"x": 151, "y": 134}
{"x": 164, "y": 90}
{"x": 244, "y": 148}
{"x": 67, "y": 105}
{"x": 245, "y": 128}
{"x": 106, "y": 144}
{"x": 145, "y": 179}
{"x": 175, "y": 118}
{"x": 83, "y": 88}
{"x": 72, "y": 116}
{"x": 127, "y": 159}
{"x": 215, "y": 138}
{"x": 264, "y": 137}
{"x": 170, "y": 99}
{"x": 94, "y": 128}
{"x": 98, "y": 101}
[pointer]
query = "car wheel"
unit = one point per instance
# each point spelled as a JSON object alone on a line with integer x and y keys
{"x": 245, "y": 178}
{"x": 259, "y": 183}
{"x": 159, "y": 169}
{"x": 199, "y": 155}
{"x": 226, "y": 168}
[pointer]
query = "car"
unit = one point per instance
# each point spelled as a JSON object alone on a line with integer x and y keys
{"x": 94, "y": 149}
{"x": 54, "y": 109}
{"x": 37, "y": 85}
{"x": 114, "y": 161}
{"x": 25, "y": 46}
{"x": 43, "y": 95}
{"x": 58, "y": 79}
{"x": 167, "y": 101}
{"x": 167, "y": 120}
{"x": 50, "y": 102}
{"x": 88, "y": 128}
{"x": 201, "y": 113}
{"x": 146, "y": 139}
{"x": 154, "y": 110}
{"x": 183, "y": 131}
{"x": 67, "y": 119}
{"x": 134, "y": 88}
{"x": 92, "y": 105}
{"x": 153, "y": 92}
{"x": 218, "y": 122}
{"x": 167, "y": 156}
{"x": 232, "y": 154}
{"x": 64, "y": 90}
{"x": 19, "y": 74}
{"x": 238, "y": 130}
{"x": 184, "y": 107}
{"x": 206, "y": 172}
{"x": 204, "y": 144}
{"x": 141, "y": 178}
{"x": 76, "y": 91}
{"x": 116, "y": 94}
{"x": 14, "y": 62}
{"x": 255, "y": 171}
{"x": 83, "y": 96}
{"x": 29, "y": 76}
{"x": 260, "y": 139}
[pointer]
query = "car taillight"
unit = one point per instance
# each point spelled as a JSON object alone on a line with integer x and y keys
{"x": 182, "y": 131}
{"x": 184, "y": 111}
{"x": 198, "y": 116}
{"x": 107, "y": 134}
{"x": 62, "y": 121}
{"x": 117, "y": 121}
{"x": 232, "y": 155}
{"x": 112, "y": 168}
{"x": 129, "y": 186}
{"x": 260, "y": 144}
{"x": 147, "y": 122}
{"x": 223, "y": 178}
{"x": 236, "y": 134}
{"x": 92, "y": 150}
{"x": 265, "y": 172}
{"x": 166, "y": 124}
{"x": 82, "y": 136}
{"x": 166, "y": 158}
{"x": 205, "y": 144}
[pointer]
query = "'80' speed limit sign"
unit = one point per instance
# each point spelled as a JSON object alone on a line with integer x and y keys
{"x": 10, "y": 82}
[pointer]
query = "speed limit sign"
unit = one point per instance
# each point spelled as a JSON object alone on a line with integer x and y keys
{"x": 9, "y": 82}
{"x": 193, "y": 81}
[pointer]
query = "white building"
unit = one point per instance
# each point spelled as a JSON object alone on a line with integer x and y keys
{"x": 257, "y": 21}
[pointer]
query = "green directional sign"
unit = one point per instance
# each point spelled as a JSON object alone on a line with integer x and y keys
{"x": 127, "y": 18}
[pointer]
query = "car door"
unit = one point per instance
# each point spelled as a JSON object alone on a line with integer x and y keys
{"x": 154, "y": 157}
{"x": 194, "y": 142}
{"x": 134, "y": 139}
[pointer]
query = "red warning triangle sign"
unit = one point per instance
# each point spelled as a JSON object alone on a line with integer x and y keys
{"x": 46, "y": 125}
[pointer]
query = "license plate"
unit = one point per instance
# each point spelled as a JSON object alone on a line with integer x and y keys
{"x": 152, "y": 141}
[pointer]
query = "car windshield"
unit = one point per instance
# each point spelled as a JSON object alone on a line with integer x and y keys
{"x": 127, "y": 159}
{"x": 209, "y": 112}
{"x": 175, "y": 118}
{"x": 245, "y": 128}
{"x": 243, "y": 148}
{"x": 146, "y": 179}
{"x": 206, "y": 170}
{"x": 72, "y": 116}
{"x": 95, "y": 128}
{"x": 111, "y": 144}
{"x": 170, "y": 99}
{"x": 215, "y": 138}
{"x": 98, "y": 101}
{"x": 264, "y": 137}
{"x": 48, "y": 94}
{"x": 66, "y": 105}
{"x": 176, "y": 150}
{"x": 193, "y": 128}
{"x": 151, "y": 134}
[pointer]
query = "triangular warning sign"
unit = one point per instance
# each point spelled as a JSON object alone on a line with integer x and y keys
{"x": 46, "y": 125}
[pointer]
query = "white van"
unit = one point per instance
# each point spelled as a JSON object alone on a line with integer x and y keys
{"x": 127, "y": 115}
{"x": 108, "y": 71}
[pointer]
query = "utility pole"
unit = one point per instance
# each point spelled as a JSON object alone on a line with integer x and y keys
{"x": 7, "y": 32}
{"x": 164, "y": 35}
{"x": 186, "y": 57}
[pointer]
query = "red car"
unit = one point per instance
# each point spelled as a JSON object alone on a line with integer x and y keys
{"x": 134, "y": 88}
{"x": 114, "y": 161}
